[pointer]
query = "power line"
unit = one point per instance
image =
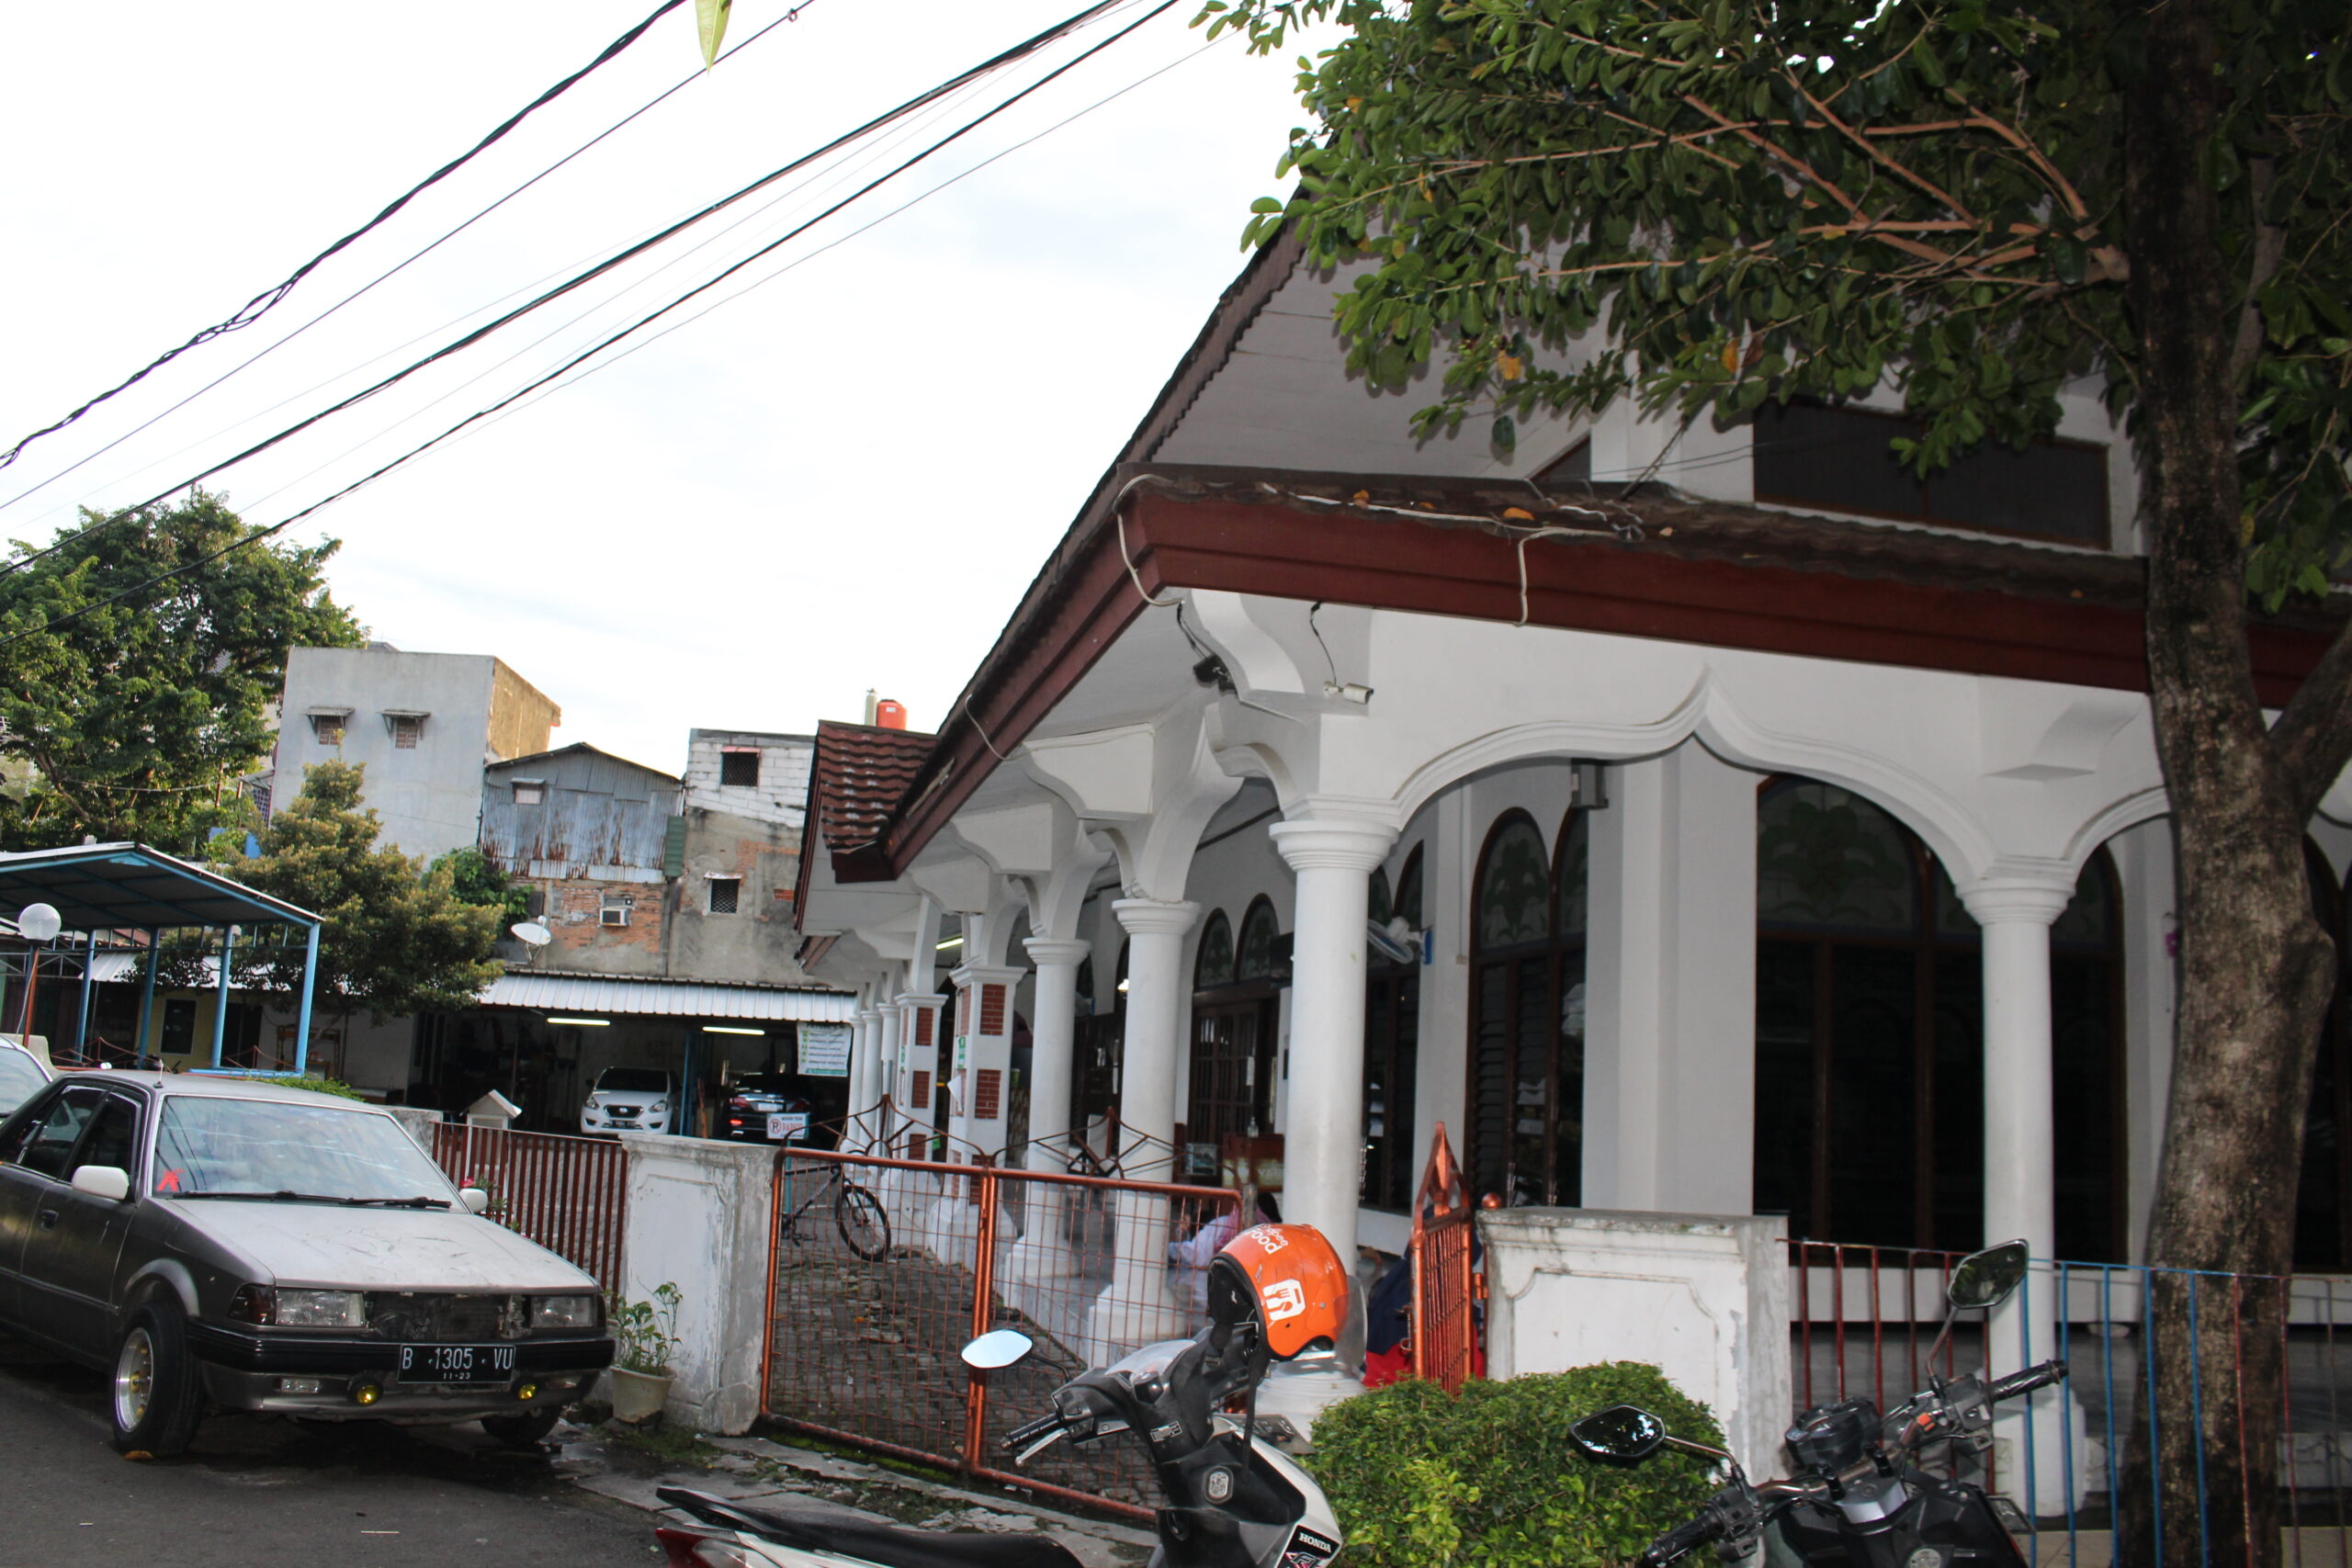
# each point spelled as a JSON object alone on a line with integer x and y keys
{"x": 259, "y": 535}
{"x": 260, "y": 304}
{"x": 791, "y": 16}
{"x": 1018, "y": 52}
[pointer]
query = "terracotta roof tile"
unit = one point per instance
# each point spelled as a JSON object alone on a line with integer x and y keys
{"x": 858, "y": 775}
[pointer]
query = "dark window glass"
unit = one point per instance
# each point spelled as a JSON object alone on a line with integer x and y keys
{"x": 1514, "y": 887}
{"x": 1841, "y": 459}
{"x": 1392, "y": 1022}
{"x": 55, "y": 1134}
{"x": 1408, "y": 902}
{"x": 113, "y": 1139}
{"x": 1527, "y": 1068}
{"x": 739, "y": 767}
{"x": 1375, "y": 899}
{"x": 1259, "y": 942}
{"x": 179, "y": 1026}
{"x": 1214, "y": 967}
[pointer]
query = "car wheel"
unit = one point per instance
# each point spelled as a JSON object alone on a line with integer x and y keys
{"x": 863, "y": 1224}
{"x": 523, "y": 1431}
{"x": 154, "y": 1403}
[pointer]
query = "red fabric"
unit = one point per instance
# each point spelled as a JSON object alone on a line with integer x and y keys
{"x": 1382, "y": 1368}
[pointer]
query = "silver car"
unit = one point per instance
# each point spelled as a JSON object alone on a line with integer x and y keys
{"x": 21, "y": 1073}
{"x": 218, "y": 1241}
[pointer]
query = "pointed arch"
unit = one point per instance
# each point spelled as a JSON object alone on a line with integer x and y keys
{"x": 1525, "y": 1133}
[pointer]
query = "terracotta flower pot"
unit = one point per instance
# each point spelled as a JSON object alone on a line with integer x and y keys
{"x": 639, "y": 1395}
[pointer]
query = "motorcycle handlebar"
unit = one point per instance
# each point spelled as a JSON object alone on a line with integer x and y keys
{"x": 2027, "y": 1381}
{"x": 1022, "y": 1436}
{"x": 1682, "y": 1541}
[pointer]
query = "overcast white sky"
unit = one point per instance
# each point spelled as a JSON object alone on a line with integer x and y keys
{"x": 842, "y": 479}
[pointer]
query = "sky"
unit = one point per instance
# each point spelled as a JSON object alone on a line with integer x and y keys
{"x": 841, "y": 479}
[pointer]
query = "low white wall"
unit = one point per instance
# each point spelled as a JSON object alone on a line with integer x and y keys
{"x": 700, "y": 1216}
{"x": 1703, "y": 1297}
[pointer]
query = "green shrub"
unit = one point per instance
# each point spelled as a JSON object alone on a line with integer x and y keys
{"x": 1422, "y": 1479}
{"x": 316, "y": 1084}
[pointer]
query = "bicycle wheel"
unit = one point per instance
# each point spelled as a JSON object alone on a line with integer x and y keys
{"x": 863, "y": 1224}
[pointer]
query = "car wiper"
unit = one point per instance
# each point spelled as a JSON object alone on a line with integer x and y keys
{"x": 286, "y": 1195}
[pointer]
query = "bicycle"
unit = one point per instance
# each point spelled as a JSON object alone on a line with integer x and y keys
{"x": 857, "y": 1214}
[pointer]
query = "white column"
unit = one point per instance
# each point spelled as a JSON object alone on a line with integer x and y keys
{"x": 1043, "y": 1252}
{"x": 919, "y": 1048}
{"x": 1136, "y": 1307}
{"x": 1669, "y": 1093}
{"x": 888, "y": 1065}
{"x": 864, "y": 1060}
{"x": 1332, "y": 857}
{"x": 2015, "y": 909}
{"x": 1052, "y": 1048}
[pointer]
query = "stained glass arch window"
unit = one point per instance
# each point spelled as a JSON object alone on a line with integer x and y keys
{"x": 1213, "y": 964}
{"x": 1526, "y": 1091}
{"x": 1254, "y": 958}
{"x": 1514, "y": 885}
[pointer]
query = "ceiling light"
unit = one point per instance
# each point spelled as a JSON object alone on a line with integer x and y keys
{"x": 728, "y": 1029}
{"x": 583, "y": 1023}
{"x": 944, "y": 946}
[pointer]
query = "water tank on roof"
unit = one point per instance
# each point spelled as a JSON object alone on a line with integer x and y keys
{"x": 890, "y": 714}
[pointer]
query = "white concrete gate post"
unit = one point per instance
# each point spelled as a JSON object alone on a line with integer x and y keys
{"x": 1333, "y": 855}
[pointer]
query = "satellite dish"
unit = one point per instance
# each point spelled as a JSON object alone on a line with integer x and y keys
{"x": 532, "y": 933}
{"x": 38, "y": 922}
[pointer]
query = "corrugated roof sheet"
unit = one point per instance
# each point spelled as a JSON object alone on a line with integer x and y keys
{"x": 668, "y": 999}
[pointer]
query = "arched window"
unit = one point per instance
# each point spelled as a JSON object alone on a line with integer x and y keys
{"x": 1233, "y": 999}
{"x": 1391, "y": 1019}
{"x": 1869, "y": 1053}
{"x": 1214, "y": 964}
{"x": 1526, "y": 1088}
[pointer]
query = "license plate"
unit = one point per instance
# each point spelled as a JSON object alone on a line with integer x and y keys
{"x": 630, "y": 1125}
{"x": 456, "y": 1363}
{"x": 785, "y": 1125}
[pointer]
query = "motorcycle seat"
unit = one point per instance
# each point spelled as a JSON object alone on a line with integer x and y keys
{"x": 813, "y": 1527}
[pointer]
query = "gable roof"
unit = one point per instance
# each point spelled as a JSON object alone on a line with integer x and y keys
{"x": 856, "y": 778}
{"x": 578, "y": 748}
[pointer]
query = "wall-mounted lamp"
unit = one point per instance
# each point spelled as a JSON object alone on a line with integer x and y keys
{"x": 1587, "y": 785}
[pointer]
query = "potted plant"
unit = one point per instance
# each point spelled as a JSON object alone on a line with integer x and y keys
{"x": 645, "y": 1336}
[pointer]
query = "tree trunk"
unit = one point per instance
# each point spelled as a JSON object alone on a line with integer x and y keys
{"x": 2257, "y": 971}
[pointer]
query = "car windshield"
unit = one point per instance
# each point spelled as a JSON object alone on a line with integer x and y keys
{"x": 19, "y": 1076}
{"x": 633, "y": 1080}
{"x": 216, "y": 1147}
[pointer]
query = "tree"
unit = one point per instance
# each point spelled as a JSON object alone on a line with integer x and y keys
{"x": 1973, "y": 204}
{"x": 475, "y": 878}
{"x": 136, "y": 716}
{"x": 397, "y": 939}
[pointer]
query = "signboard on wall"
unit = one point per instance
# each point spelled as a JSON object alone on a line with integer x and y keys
{"x": 824, "y": 1050}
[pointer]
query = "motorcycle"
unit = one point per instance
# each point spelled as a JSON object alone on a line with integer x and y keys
{"x": 1234, "y": 1499}
{"x": 1857, "y": 1495}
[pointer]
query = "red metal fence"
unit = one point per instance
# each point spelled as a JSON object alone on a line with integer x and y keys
{"x": 1446, "y": 1281}
{"x": 567, "y": 1194}
{"x": 882, "y": 1270}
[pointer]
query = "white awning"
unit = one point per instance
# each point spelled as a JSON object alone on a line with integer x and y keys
{"x": 668, "y": 999}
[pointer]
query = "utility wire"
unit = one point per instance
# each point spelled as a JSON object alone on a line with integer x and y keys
{"x": 260, "y": 304}
{"x": 259, "y": 535}
{"x": 628, "y": 253}
{"x": 791, "y": 16}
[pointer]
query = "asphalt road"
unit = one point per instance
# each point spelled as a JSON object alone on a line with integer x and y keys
{"x": 260, "y": 1490}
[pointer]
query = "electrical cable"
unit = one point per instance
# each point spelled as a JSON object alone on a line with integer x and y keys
{"x": 1018, "y": 52}
{"x": 260, "y": 304}
{"x": 791, "y": 16}
{"x": 279, "y": 527}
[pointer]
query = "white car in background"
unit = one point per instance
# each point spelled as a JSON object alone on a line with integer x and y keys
{"x": 21, "y": 1073}
{"x": 631, "y": 1100}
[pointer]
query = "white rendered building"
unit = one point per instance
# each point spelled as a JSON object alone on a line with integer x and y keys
{"x": 1780, "y": 835}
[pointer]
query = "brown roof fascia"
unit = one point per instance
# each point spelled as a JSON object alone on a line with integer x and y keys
{"x": 1706, "y": 573}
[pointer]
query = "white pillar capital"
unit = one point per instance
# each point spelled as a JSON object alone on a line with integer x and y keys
{"x": 971, "y": 974}
{"x": 2006, "y": 898}
{"x": 1155, "y": 916}
{"x": 1317, "y": 835}
{"x": 1044, "y": 950}
{"x": 920, "y": 999}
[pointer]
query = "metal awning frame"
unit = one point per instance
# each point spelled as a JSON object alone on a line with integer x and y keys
{"x": 124, "y": 886}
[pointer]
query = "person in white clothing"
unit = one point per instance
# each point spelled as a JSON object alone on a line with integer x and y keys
{"x": 1190, "y": 1257}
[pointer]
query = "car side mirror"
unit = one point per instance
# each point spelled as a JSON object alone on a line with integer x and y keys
{"x": 475, "y": 1199}
{"x": 1621, "y": 1432}
{"x": 997, "y": 1349}
{"x": 108, "y": 1181}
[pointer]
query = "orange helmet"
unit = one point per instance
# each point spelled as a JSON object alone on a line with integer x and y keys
{"x": 1287, "y": 1281}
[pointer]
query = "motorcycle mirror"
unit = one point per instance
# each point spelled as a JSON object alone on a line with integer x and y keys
{"x": 997, "y": 1349}
{"x": 1986, "y": 1279}
{"x": 1621, "y": 1432}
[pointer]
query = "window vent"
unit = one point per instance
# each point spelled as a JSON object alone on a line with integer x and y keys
{"x": 405, "y": 728}
{"x": 326, "y": 728}
{"x": 723, "y": 894}
{"x": 529, "y": 792}
{"x": 738, "y": 766}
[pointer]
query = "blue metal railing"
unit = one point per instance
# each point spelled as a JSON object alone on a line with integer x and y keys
{"x": 1864, "y": 1317}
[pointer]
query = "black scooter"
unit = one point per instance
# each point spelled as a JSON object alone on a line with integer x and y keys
{"x": 1857, "y": 1497}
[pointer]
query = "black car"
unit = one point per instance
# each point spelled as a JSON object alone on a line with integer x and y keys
{"x": 764, "y": 1108}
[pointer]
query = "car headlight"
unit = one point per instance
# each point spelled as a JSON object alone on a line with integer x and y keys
{"x": 319, "y": 1309}
{"x": 660, "y": 1106}
{"x": 563, "y": 1312}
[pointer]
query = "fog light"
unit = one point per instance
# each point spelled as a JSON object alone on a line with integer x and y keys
{"x": 297, "y": 1385}
{"x": 527, "y": 1391}
{"x": 366, "y": 1394}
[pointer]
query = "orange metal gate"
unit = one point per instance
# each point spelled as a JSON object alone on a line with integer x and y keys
{"x": 1447, "y": 1284}
{"x": 863, "y": 1332}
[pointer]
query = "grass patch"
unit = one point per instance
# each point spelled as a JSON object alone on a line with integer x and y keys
{"x": 671, "y": 1445}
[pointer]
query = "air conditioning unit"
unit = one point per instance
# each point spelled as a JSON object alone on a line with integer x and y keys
{"x": 616, "y": 914}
